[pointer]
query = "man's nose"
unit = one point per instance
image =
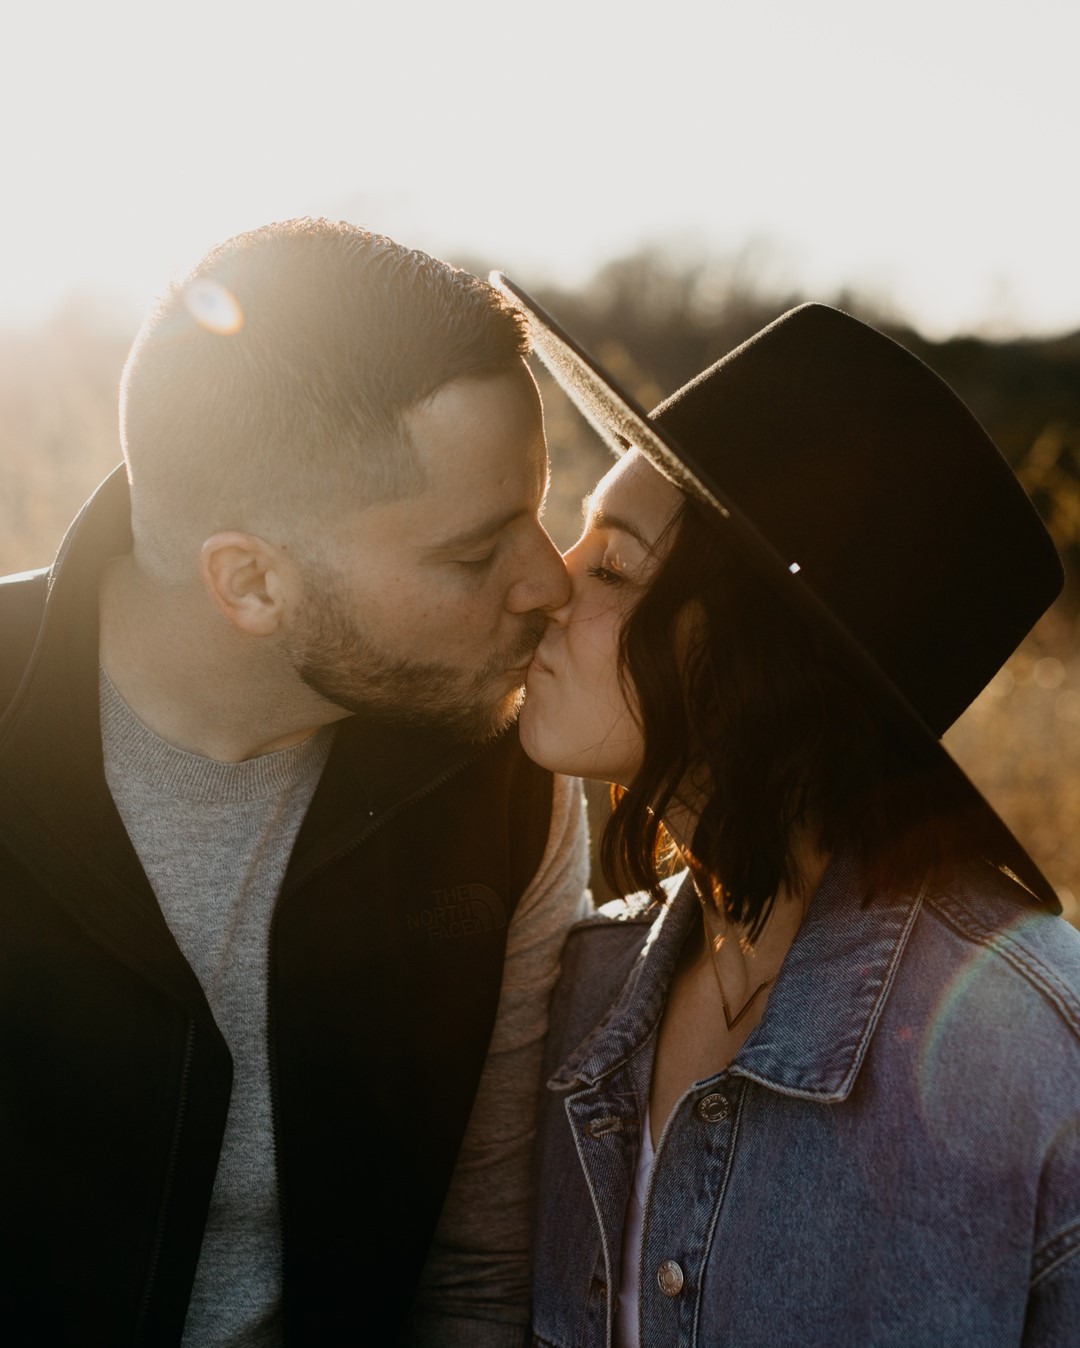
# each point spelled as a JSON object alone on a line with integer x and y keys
{"x": 544, "y": 583}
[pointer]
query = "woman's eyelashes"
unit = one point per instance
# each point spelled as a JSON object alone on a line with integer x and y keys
{"x": 603, "y": 573}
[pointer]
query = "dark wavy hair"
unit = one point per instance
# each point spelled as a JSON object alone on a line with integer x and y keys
{"x": 739, "y": 696}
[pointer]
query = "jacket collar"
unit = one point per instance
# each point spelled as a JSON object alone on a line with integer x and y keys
{"x": 823, "y": 1008}
{"x": 58, "y": 814}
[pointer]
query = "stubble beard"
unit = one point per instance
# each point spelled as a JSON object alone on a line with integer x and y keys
{"x": 338, "y": 661}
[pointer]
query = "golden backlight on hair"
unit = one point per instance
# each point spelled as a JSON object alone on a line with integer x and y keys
{"x": 213, "y": 306}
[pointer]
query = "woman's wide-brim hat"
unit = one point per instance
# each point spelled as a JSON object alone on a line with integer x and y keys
{"x": 862, "y": 487}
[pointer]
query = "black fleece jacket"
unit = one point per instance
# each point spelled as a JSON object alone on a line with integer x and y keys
{"x": 114, "y": 1079}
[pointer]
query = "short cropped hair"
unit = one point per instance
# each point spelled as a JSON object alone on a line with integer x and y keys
{"x": 270, "y": 384}
{"x": 775, "y": 732}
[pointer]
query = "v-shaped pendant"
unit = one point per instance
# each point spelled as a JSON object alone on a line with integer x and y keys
{"x": 730, "y": 1020}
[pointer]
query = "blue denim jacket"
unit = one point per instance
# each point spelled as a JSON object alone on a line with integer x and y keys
{"x": 893, "y": 1157}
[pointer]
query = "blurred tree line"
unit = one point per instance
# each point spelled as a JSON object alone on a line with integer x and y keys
{"x": 58, "y": 426}
{"x": 655, "y": 319}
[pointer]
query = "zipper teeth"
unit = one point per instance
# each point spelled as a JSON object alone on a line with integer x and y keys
{"x": 271, "y": 1050}
{"x": 170, "y": 1177}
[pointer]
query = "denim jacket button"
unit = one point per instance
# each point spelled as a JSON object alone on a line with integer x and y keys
{"x": 670, "y": 1277}
{"x": 713, "y": 1108}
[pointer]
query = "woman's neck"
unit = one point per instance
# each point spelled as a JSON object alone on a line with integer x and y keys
{"x": 742, "y": 963}
{"x": 722, "y": 983}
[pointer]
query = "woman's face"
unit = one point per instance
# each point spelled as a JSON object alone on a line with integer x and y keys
{"x": 576, "y": 717}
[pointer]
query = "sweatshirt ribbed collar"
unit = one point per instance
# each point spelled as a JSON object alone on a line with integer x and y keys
{"x": 145, "y": 757}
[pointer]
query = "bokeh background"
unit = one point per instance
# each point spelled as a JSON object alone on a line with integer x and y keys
{"x": 665, "y": 180}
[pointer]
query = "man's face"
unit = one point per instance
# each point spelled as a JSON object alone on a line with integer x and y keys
{"x": 428, "y": 609}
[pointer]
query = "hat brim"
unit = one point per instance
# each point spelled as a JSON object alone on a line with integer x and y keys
{"x": 621, "y": 422}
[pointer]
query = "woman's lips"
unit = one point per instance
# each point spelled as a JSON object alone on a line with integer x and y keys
{"x": 538, "y": 666}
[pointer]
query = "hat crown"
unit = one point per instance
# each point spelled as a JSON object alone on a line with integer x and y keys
{"x": 877, "y": 489}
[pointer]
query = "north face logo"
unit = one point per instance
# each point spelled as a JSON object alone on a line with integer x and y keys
{"x": 462, "y": 910}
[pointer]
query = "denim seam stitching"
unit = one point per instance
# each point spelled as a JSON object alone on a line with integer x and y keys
{"x": 1025, "y": 962}
{"x": 1059, "y": 1248}
{"x": 841, "y": 1091}
{"x": 605, "y": 920}
{"x": 872, "y": 1020}
{"x": 581, "y": 1052}
{"x": 609, "y": 1255}
{"x": 729, "y": 1161}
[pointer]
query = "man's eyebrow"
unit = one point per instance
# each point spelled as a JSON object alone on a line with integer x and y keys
{"x": 479, "y": 533}
{"x": 601, "y": 520}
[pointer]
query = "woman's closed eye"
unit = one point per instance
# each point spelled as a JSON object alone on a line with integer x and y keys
{"x": 604, "y": 574}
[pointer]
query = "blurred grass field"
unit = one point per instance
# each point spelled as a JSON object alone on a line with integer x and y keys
{"x": 1019, "y": 741}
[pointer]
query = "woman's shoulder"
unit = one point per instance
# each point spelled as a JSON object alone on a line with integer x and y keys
{"x": 620, "y": 925}
{"x": 600, "y": 961}
{"x": 639, "y": 908}
{"x": 998, "y": 938}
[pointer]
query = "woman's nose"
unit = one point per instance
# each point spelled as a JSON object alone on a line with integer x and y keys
{"x": 544, "y": 584}
{"x": 574, "y": 567}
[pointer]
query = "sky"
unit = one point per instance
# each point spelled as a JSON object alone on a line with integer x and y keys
{"x": 922, "y": 153}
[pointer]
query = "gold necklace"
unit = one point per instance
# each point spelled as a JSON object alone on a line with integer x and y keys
{"x": 730, "y": 1020}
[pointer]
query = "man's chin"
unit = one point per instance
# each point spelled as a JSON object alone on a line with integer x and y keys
{"x": 460, "y": 722}
{"x": 507, "y": 713}
{"x": 482, "y": 724}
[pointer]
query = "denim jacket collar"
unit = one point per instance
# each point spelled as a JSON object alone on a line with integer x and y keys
{"x": 823, "y": 1008}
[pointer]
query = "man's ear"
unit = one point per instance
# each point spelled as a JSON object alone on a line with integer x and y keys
{"x": 250, "y": 580}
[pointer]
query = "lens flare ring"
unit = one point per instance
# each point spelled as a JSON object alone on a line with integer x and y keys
{"x": 213, "y": 306}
